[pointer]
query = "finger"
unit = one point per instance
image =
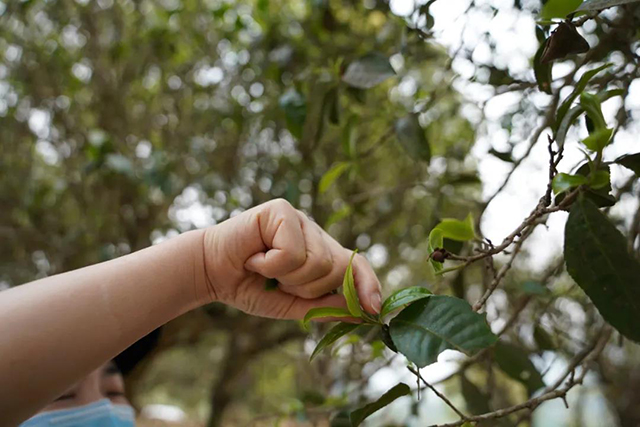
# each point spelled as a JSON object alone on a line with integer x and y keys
{"x": 281, "y": 232}
{"x": 318, "y": 264}
{"x": 367, "y": 285}
{"x": 281, "y": 305}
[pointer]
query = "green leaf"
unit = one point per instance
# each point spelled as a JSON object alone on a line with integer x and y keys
{"x": 322, "y": 312}
{"x": 563, "y": 182}
{"x": 368, "y": 71}
{"x": 331, "y": 175}
{"x": 630, "y": 161}
{"x": 603, "y": 4}
{"x": 403, "y": 297}
{"x": 349, "y": 291}
{"x": 575, "y": 112}
{"x": 294, "y": 106}
{"x": 598, "y": 139}
{"x": 601, "y": 196}
{"x": 427, "y": 327}
{"x": 334, "y": 334}
{"x": 390, "y": 396}
{"x": 591, "y": 105}
{"x": 599, "y": 179}
{"x": 477, "y": 401}
{"x": 457, "y": 230}
{"x": 515, "y": 362}
{"x": 559, "y": 8}
{"x": 542, "y": 70}
{"x": 544, "y": 341}
{"x": 412, "y": 137}
{"x": 597, "y": 259}
{"x": 580, "y": 87}
{"x": 436, "y": 241}
{"x": 505, "y": 156}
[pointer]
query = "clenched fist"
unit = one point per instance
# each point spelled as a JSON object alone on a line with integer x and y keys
{"x": 274, "y": 240}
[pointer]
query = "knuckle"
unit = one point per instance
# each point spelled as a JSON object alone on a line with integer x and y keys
{"x": 281, "y": 204}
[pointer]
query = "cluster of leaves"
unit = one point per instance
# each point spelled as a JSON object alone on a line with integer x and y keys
{"x": 594, "y": 251}
{"x": 426, "y": 326}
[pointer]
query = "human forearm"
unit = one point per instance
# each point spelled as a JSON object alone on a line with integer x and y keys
{"x": 56, "y": 330}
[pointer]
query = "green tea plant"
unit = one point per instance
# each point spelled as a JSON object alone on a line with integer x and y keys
{"x": 420, "y": 325}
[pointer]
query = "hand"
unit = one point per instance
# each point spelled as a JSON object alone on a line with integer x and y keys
{"x": 274, "y": 240}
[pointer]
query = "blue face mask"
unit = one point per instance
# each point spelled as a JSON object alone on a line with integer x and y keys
{"x": 102, "y": 413}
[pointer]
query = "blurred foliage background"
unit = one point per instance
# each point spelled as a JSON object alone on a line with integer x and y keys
{"x": 123, "y": 123}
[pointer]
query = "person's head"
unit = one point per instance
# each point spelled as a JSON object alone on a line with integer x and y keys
{"x": 96, "y": 400}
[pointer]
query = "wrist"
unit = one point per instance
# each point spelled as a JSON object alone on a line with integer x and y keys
{"x": 204, "y": 291}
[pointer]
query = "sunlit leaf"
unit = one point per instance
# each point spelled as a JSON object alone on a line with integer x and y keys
{"x": 559, "y": 8}
{"x": 597, "y": 259}
{"x": 332, "y": 175}
{"x": 349, "y": 291}
{"x": 427, "y": 327}
{"x": 580, "y": 86}
{"x": 334, "y": 334}
{"x": 598, "y": 139}
{"x": 455, "y": 229}
{"x": 403, "y": 297}
{"x": 368, "y": 71}
{"x": 563, "y": 182}
{"x": 324, "y": 312}
{"x": 575, "y": 112}
{"x": 591, "y": 104}
{"x": 390, "y": 396}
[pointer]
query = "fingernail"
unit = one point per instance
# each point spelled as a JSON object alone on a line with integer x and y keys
{"x": 376, "y": 302}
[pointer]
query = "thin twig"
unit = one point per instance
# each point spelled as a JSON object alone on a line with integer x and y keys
{"x": 437, "y": 393}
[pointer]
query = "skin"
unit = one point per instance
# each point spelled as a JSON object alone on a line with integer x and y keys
{"x": 105, "y": 382}
{"x": 62, "y": 328}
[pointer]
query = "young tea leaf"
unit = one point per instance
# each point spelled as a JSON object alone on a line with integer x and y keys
{"x": 457, "y": 230}
{"x": 563, "y": 182}
{"x": 396, "y": 392}
{"x": 332, "y": 175}
{"x": 559, "y": 8}
{"x": 603, "y": 4}
{"x": 323, "y": 312}
{"x": 427, "y": 327}
{"x": 368, "y": 71}
{"x": 597, "y": 259}
{"x": 334, "y": 334}
{"x": 598, "y": 139}
{"x": 403, "y": 297}
{"x": 591, "y": 105}
{"x": 349, "y": 291}
{"x": 580, "y": 87}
